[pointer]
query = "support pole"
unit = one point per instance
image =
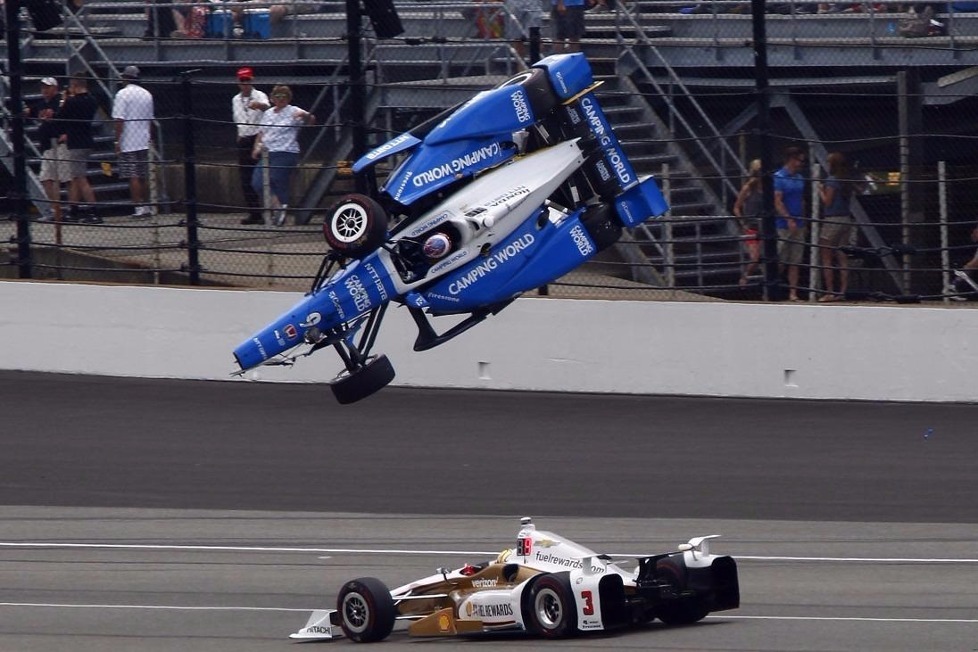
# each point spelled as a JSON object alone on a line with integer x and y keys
{"x": 190, "y": 179}
{"x": 769, "y": 232}
{"x": 18, "y": 193}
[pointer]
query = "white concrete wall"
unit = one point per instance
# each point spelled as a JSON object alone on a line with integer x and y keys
{"x": 717, "y": 349}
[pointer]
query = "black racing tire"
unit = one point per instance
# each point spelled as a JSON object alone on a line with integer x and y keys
{"x": 355, "y": 225}
{"x": 350, "y": 387}
{"x": 601, "y": 223}
{"x": 549, "y": 610}
{"x": 366, "y": 609}
{"x": 536, "y": 84}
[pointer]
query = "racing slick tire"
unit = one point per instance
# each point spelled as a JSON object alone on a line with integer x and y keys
{"x": 683, "y": 610}
{"x": 536, "y": 85}
{"x": 549, "y": 610}
{"x": 366, "y": 609}
{"x": 350, "y": 387}
{"x": 355, "y": 225}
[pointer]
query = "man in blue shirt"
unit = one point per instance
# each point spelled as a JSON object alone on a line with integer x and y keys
{"x": 568, "y": 21}
{"x": 789, "y": 189}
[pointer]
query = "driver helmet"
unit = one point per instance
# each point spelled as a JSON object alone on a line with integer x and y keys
{"x": 436, "y": 246}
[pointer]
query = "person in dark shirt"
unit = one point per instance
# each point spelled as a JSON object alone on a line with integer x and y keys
{"x": 54, "y": 155}
{"x": 76, "y": 117}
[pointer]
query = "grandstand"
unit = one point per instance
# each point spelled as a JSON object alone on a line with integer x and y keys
{"x": 679, "y": 84}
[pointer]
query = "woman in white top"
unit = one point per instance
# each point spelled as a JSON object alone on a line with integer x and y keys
{"x": 278, "y": 132}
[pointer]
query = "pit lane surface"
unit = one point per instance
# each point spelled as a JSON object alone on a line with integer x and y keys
{"x": 854, "y": 524}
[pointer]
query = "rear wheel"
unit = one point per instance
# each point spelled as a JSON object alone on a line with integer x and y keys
{"x": 367, "y": 611}
{"x": 550, "y": 610}
{"x": 355, "y": 225}
{"x": 350, "y": 387}
{"x": 685, "y": 612}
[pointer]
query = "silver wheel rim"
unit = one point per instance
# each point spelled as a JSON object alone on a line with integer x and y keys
{"x": 356, "y": 612}
{"x": 349, "y": 223}
{"x": 548, "y": 608}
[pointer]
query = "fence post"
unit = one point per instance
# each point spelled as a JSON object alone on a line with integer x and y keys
{"x": 945, "y": 252}
{"x": 190, "y": 178}
{"x": 18, "y": 192}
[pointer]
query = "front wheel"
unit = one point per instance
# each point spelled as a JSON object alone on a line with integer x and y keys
{"x": 367, "y": 611}
{"x": 355, "y": 226}
{"x": 550, "y": 610}
{"x": 350, "y": 387}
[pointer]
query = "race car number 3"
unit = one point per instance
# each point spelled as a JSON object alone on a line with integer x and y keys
{"x": 523, "y": 546}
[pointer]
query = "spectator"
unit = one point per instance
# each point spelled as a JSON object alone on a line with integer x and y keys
{"x": 161, "y": 20}
{"x": 278, "y": 11}
{"x": 278, "y": 133}
{"x": 789, "y": 188}
{"x": 568, "y": 21}
{"x": 246, "y": 108}
{"x": 964, "y": 285}
{"x": 54, "y": 154}
{"x": 747, "y": 209}
{"x": 836, "y": 194}
{"x": 134, "y": 115}
{"x": 76, "y": 116}
{"x": 522, "y": 17}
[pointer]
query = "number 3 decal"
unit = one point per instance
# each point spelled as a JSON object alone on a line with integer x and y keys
{"x": 588, "y": 598}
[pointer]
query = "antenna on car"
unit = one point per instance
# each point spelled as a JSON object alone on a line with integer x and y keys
{"x": 526, "y": 520}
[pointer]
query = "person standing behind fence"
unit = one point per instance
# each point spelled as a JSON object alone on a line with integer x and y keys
{"x": 789, "y": 190}
{"x": 76, "y": 117}
{"x": 247, "y": 108}
{"x": 567, "y": 17}
{"x": 54, "y": 154}
{"x": 836, "y": 194}
{"x": 279, "y": 134}
{"x": 134, "y": 114}
{"x": 747, "y": 209}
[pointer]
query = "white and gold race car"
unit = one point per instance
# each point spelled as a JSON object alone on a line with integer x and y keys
{"x": 548, "y": 586}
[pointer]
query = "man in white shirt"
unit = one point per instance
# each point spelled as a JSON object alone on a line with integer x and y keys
{"x": 247, "y": 108}
{"x": 133, "y": 113}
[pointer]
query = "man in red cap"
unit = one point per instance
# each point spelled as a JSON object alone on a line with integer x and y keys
{"x": 247, "y": 108}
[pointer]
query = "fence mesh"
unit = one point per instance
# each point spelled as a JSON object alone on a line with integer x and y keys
{"x": 888, "y": 85}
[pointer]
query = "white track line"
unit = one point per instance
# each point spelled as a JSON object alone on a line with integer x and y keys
{"x": 396, "y": 551}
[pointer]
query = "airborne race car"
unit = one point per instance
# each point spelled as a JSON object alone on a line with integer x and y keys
{"x": 548, "y": 586}
{"x": 505, "y": 193}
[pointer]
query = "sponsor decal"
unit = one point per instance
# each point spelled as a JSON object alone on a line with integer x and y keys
{"x": 485, "y": 583}
{"x": 456, "y": 165}
{"x": 319, "y": 629}
{"x": 359, "y": 293}
{"x": 500, "y": 610}
{"x": 278, "y": 338}
{"x": 404, "y": 182}
{"x": 291, "y": 332}
{"x": 500, "y": 257}
{"x": 562, "y": 82}
{"x": 522, "y": 109}
{"x": 312, "y": 319}
{"x": 611, "y": 152}
{"x": 590, "y": 624}
{"x": 337, "y": 304}
{"x": 603, "y": 170}
{"x": 573, "y": 115}
{"x": 556, "y": 560}
{"x": 546, "y": 543}
{"x": 449, "y": 262}
{"x": 581, "y": 240}
{"x": 429, "y": 224}
{"x": 261, "y": 349}
{"x": 388, "y": 146}
{"x": 378, "y": 282}
{"x": 518, "y": 191}
{"x": 442, "y": 297}
{"x": 444, "y": 623}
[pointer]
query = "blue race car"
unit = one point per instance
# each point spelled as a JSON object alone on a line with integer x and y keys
{"x": 500, "y": 195}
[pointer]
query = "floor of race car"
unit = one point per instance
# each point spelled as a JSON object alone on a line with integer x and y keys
{"x": 219, "y": 526}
